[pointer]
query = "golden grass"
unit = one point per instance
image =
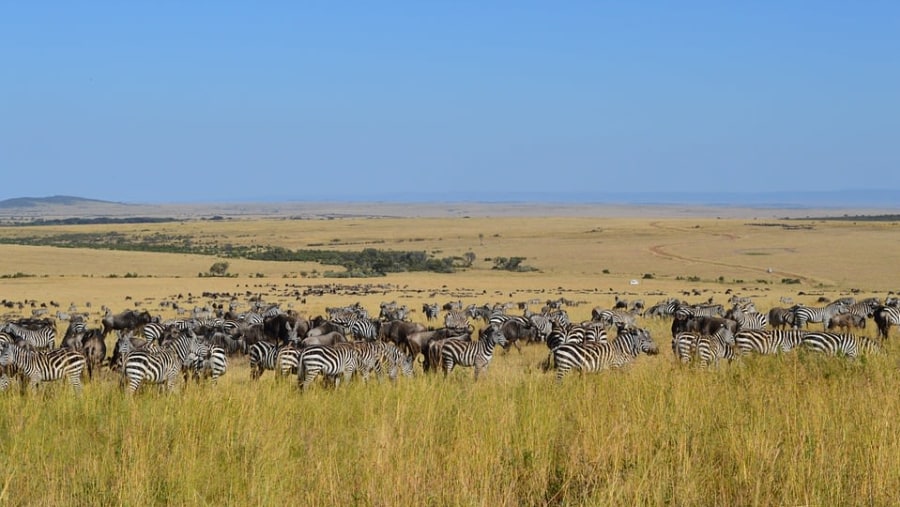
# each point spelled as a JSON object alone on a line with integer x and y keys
{"x": 798, "y": 429}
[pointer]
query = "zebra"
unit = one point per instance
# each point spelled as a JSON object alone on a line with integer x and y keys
{"x": 712, "y": 348}
{"x": 208, "y": 361}
{"x": 331, "y": 362}
{"x": 806, "y": 314}
{"x": 664, "y": 308}
{"x": 38, "y": 366}
{"x": 363, "y": 329}
{"x": 865, "y": 308}
{"x": 477, "y": 354}
{"x": 834, "y": 344}
{"x": 262, "y": 357}
{"x": 768, "y": 342}
{"x": 38, "y": 339}
{"x": 541, "y": 324}
{"x": 431, "y": 311}
{"x": 746, "y": 319}
{"x": 155, "y": 367}
{"x": 608, "y": 318}
{"x": 595, "y": 357}
{"x": 885, "y": 317}
{"x": 457, "y": 320}
{"x": 706, "y": 349}
{"x": 379, "y": 356}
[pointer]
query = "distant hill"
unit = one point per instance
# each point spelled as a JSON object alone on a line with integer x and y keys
{"x": 56, "y": 200}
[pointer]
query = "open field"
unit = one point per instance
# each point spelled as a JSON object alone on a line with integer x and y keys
{"x": 797, "y": 429}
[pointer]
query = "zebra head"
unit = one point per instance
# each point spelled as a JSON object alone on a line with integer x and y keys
{"x": 493, "y": 333}
{"x": 640, "y": 341}
{"x": 5, "y": 353}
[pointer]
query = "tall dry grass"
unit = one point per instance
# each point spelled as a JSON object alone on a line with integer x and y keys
{"x": 797, "y": 429}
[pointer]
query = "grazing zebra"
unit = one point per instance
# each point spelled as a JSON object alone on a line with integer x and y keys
{"x": 477, "y": 354}
{"x": 834, "y": 344}
{"x": 457, "y": 321}
{"x": 865, "y": 308}
{"x": 153, "y": 332}
{"x": 154, "y": 367}
{"x": 287, "y": 360}
{"x": 664, "y": 308}
{"x": 594, "y": 357}
{"x": 885, "y": 317}
{"x": 38, "y": 339}
{"x": 806, "y": 314}
{"x": 331, "y": 362}
{"x": 768, "y": 342}
{"x": 40, "y": 366}
{"x": 541, "y": 324}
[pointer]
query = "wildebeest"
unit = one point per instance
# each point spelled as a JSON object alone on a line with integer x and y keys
{"x": 703, "y": 325}
{"x": 329, "y": 339}
{"x": 397, "y": 331}
{"x": 847, "y": 322}
{"x": 515, "y": 330}
{"x": 282, "y": 327}
{"x": 127, "y": 320}
{"x": 94, "y": 349}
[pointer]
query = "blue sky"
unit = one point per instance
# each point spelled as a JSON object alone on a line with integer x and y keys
{"x": 170, "y": 101}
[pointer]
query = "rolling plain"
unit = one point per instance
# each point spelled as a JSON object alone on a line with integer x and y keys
{"x": 793, "y": 429}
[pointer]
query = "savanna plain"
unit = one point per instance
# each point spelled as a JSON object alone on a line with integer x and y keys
{"x": 794, "y": 429}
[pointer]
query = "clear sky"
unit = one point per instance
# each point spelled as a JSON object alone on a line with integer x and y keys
{"x": 176, "y": 101}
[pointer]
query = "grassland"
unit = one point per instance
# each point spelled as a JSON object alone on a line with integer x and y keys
{"x": 798, "y": 429}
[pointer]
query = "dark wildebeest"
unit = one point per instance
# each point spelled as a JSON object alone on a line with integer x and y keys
{"x": 847, "y": 322}
{"x": 779, "y": 318}
{"x": 703, "y": 325}
{"x": 284, "y": 327}
{"x": 325, "y": 328}
{"x": 127, "y": 320}
{"x": 885, "y": 317}
{"x": 323, "y": 339}
{"x": 94, "y": 349}
{"x": 515, "y": 330}
{"x": 397, "y": 331}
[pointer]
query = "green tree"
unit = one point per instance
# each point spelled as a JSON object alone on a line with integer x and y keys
{"x": 218, "y": 268}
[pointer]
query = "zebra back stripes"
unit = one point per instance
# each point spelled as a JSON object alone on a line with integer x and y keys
{"x": 41, "y": 366}
{"x": 844, "y": 344}
{"x": 331, "y": 362}
{"x": 595, "y": 357}
{"x": 38, "y": 339}
{"x": 768, "y": 342}
{"x": 477, "y": 355}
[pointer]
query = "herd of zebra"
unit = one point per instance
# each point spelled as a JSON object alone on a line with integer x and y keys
{"x": 348, "y": 342}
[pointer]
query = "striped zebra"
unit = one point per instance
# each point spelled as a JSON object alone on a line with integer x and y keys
{"x": 40, "y": 366}
{"x": 457, "y": 321}
{"x": 37, "y": 339}
{"x": 330, "y": 362}
{"x": 4, "y": 382}
{"x": 207, "y": 361}
{"x": 747, "y": 319}
{"x": 477, "y": 355}
{"x": 363, "y": 329}
{"x": 287, "y": 360}
{"x": 379, "y": 357}
{"x": 262, "y": 357}
{"x": 431, "y": 311}
{"x": 865, "y": 308}
{"x": 768, "y": 342}
{"x": 664, "y": 308}
{"x": 151, "y": 366}
{"x": 845, "y": 344}
{"x": 704, "y": 349}
{"x": 541, "y": 324}
{"x": 803, "y": 315}
{"x": 595, "y": 357}
{"x": 712, "y": 348}
{"x": 609, "y": 318}
{"x": 885, "y": 317}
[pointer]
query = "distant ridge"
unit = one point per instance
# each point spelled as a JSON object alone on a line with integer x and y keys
{"x": 63, "y": 200}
